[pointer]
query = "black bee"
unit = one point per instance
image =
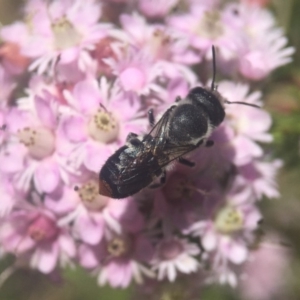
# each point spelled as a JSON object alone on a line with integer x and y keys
{"x": 183, "y": 128}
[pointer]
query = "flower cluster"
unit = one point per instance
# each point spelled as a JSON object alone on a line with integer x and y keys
{"x": 93, "y": 71}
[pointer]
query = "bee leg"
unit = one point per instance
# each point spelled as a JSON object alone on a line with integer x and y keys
{"x": 162, "y": 181}
{"x": 186, "y": 162}
{"x": 209, "y": 143}
{"x": 131, "y": 136}
{"x": 151, "y": 117}
{"x": 178, "y": 98}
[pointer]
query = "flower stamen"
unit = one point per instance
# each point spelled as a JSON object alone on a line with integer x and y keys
{"x": 103, "y": 127}
{"x": 40, "y": 141}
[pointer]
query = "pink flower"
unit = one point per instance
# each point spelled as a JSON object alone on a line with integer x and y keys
{"x": 263, "y": 46}
{"x": 259, "y": 178}
{"x": 100, "y": 122}
{"x": 246, "y": 125}
{"x": 135, "y": 71}
{"x": 250, "y": 122}
{"x": 35, "y": 235}
{"x": 161, "y": 43}
{"x": 92, "y": 214}
{"x": 32, "y": 150}
{"x": 121, "y": 259}
{"x": 205, "y": 26}
{"x": 265, "y": 272}
{"x": 174, "y": 254}
{"x": 66, "y": 30}
{"x": 227, "y": 235}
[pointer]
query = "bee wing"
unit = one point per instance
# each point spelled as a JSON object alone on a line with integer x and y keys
{"x": 157, "y": 135}
{"x": 172, "y": 152}
{"x": 159, "y": 129}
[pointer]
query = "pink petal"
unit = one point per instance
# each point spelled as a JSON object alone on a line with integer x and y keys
{"x": 89, "y": 228}
{"x": 96, "y": 155}
{"x": 12, "y": 160}
{"x": 87, "y": 95}
{"x": 87, "y": 257}
{"x": 118, "y": 208}
{"x": 69, "y": 55}
{"x": 75, "y": 129}
{"x": 47, "y": 176}
{"x": 119, "y": 273}
{"x": 44, "y": 112}
{"x": 67, "y": 244}
{"x": 209, "y": 241}
{"x": 133, "y": 79}
{"x": 246, "y": 149}
{"x": 48, "y": 256}
{"x": 24, "y": 244}
{"x": 64, "y": 203}
{"x": 238, "y": 253}
{"x": 14, "y": 32}
{"x": 253, "y": 65}
{"x": 252, "y": 219}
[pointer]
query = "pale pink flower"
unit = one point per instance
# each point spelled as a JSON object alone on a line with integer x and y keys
{"x": 265, "y": 273}
{"x": 206, "y": 26}
{"x": 135, "y": 71}
{"x": 64, "y": 32}
{"x": 258, "y": 62}
{"x": 121, "y": 258}
{"x": 245, "y": 124}
{"x": 259, "y": 178}
{"x": 174, "y": 255}
{"x": 35, "y": 234}
{"x": 251, "y": 122}
{"x": 227, "y": 235}
{"x": 161, "y": 43}
{"x": 100, "y": 121}
{"x": 262, "y": 47}
{"x": 32, "y": 150}
{"x": 92, "y": 214}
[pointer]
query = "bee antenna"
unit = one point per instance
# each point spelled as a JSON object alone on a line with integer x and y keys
{"x": 244, "y": 103}
{"x": 213, "y": 86}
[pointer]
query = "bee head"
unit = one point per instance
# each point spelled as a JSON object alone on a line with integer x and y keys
{"x": 210, "y": 100}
